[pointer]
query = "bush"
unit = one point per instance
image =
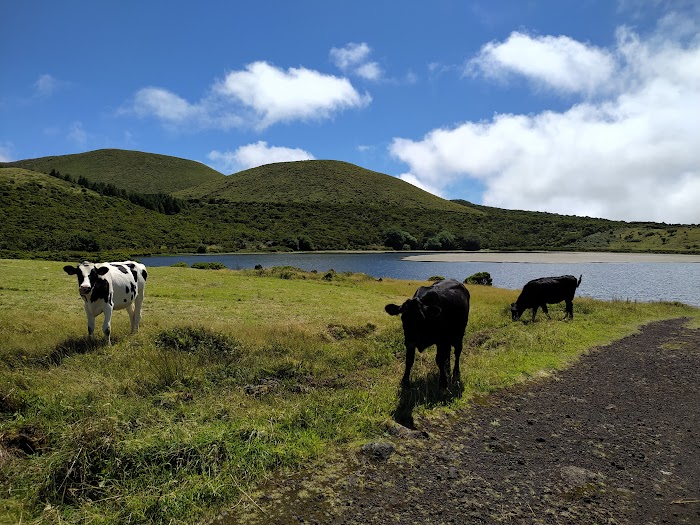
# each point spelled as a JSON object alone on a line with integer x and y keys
{"x": 399, "y": 240}
{"x": 181, "y": 264}
{"x": 482, "y": 278}
{"x": 436, "y": 278}
{"x": 209, "y": 266}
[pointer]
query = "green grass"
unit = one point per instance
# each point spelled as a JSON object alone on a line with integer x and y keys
{"x": 233, "y": 376}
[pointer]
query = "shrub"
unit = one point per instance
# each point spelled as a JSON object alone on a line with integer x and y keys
{"x": 482, "y": 278}
{"x": 209, "y": 266}
{"x": 181, "y": 264}
{"x": 436, "y": 278}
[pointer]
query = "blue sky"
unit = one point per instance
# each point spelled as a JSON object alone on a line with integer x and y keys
{"x": 587, "y": 107}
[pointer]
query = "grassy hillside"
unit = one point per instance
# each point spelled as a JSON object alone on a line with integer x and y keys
{"x": 129, "y": 170}
{"x": 39, "y": 213}
{"x": 233, "y": 375}
{"x": 308, "y": 205}
{"x": 318, "y": 181}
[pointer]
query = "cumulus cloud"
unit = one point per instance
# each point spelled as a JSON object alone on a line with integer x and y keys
{"x": 253, "y": 155}
{"x": 354, "y": 59}
{"x": 275, "y": 95}
{"x": 164, "y": 105}
{"x": 633, "y": 154}
{"x": 560, "y": 63}
{"x": 258, "y": 96}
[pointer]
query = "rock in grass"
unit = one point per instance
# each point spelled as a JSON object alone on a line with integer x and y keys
{"x": 378, "y": 451}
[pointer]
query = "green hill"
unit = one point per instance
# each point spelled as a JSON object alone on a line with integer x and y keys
{"x": 40, "y": 213}
{"x": 307, "y": 205}
{"x": 319, "y": 181}
{"x": 128, "y": 170}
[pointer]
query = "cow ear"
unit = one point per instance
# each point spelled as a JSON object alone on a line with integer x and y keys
{"x": 392, "y": 309}
{"x": 103, "y": 270}
{"x": 70, "y": 270}
{"x": 431, "y": 312}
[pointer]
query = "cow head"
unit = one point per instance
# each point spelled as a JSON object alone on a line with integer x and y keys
{"x": 515, "y": 312}
{"x": 414, "y": 314}
{"x": 87, "y": 274}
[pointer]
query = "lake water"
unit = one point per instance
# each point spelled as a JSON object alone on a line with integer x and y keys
{"x": 638, "y": 281}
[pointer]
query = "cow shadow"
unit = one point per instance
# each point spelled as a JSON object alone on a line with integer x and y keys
{"x": 72, "y": 346}
{"x": 425, "y": 392}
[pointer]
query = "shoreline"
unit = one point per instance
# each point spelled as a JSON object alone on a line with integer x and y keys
{"x": 554, "y": 257}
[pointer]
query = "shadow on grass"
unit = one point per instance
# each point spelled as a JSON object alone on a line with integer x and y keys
{"x": 71, "y": 346}
{"x": 424, "y": 392}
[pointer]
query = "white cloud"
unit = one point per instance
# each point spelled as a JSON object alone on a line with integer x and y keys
{"x": 418, "y": 183}
{"x": 632, "y": 155}
{"x": 5, "y": 149}
{"x": 46, "y": 85}
{"x": 370, "y": 71}
{"x": 351, "y": 55}
{"x": 77, "y": 134}
{"x": 164, "y": 105}
{"x": 353, "y": 59}
{"x": 275, "y": 95}
{"x": 253, "y": 155}
{"x": 257, "y": 97}
{"x": 560, "y": 63}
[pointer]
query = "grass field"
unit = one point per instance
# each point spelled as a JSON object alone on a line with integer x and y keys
{"x": 233, "y": 376}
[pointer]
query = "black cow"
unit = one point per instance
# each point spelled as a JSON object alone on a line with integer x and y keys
{"x": 436, "y": 315}
{"x": 546, "y": 290}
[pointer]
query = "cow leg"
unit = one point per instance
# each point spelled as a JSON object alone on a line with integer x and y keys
{"x": 442, "y": 359}
{"x": 138, "y": 303}
{"x": 534, "y": 312}
{"x": 107, "y": 325}
{"x": 90, "y": 323}
{"x": 546, "y": 312}
{"x": 569, "y": 309}
{"x": 456, "y": 375}
{"x": 410, "y": 357}
{"x": 131, "y": 309}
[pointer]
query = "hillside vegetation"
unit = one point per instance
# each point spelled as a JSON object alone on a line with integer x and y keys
{"x": 128, "y": 170}
{"x": 307, "y": 205}
{"x": 319, "y": 181}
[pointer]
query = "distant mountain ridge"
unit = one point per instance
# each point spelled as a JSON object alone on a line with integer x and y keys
{"x": 305, "y": 205}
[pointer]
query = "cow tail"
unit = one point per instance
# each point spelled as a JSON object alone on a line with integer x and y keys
{"x": 579, "y": 281}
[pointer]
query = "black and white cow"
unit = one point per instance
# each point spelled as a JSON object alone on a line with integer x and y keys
{"x": 538, "y": 293}
{"x": 110, "y": 286}
{"x": 436, "y": 315}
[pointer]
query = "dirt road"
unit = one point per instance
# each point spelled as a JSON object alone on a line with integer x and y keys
{"x": 613, "y": 440}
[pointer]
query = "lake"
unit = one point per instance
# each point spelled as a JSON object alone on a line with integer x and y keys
{"x": 643, "y": 278}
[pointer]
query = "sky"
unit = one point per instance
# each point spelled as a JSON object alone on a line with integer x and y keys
{"x": 586, "y": 107}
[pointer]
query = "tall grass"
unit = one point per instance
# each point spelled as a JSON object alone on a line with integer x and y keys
{"x": 234, "y": 375}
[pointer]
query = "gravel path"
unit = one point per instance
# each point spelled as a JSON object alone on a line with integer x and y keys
{"x": 615, "y": 439}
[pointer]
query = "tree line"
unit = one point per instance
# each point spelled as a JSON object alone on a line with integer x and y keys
{"x": 159, "y": 202}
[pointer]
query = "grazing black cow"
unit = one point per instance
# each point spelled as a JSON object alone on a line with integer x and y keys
{"x": 436, "y": 315}
{"x": 546, "y": 290}
{"x": 110, "y": 286}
